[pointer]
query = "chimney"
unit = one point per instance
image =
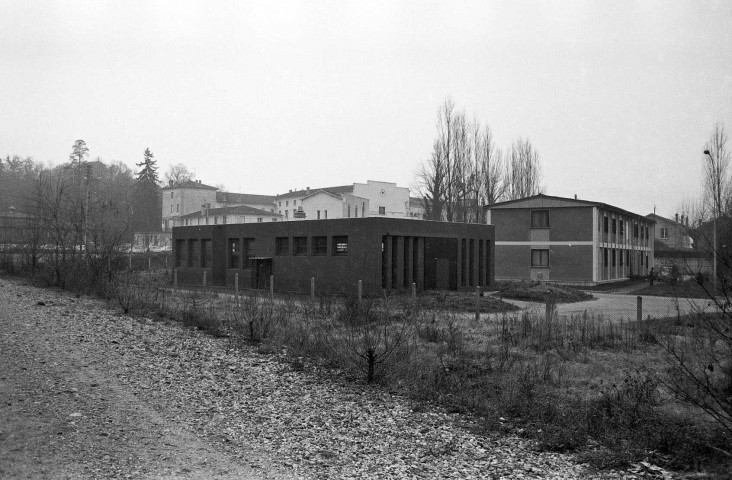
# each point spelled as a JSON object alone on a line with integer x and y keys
{"x": 687, "y": 220}
{"x": 307, "y": 188}
{"x": 290, "y": 190}
{"x": 677, "y": 218}
{"x": 575, "y": 196}
{"x": 170, "y": 183}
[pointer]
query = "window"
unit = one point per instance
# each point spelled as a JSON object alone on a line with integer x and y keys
{"x": 613, "y": 257}
{"x": 320, "y": 245}
{"x": 615, "y": 226}
{"x": 382, "y": 210}
{"x": 180, "y": 253}
{"x": 171, "y": 194}
{"x": 349, "y": 211}
{"x": 622, "y": 228}
{"x": 282, "y": 246}
{"x": 248, "y": 253}
{"x": 207, "y": 252}
{"x": 647, "y": 236}
{"x": 540, "y": 219}
{"x": 294, "y": 203}
{"x": 604, "y": 256}
{"x": 318, "y": 214}
{"x": 234, "y": 253}
{"x": 279, "y": 204}
{"x": 287, "y": 203}
{"x": 621, "y": 258}
{"x": 300, "y": 246}
{"x": 604, "y": 224}
{"x": 326, "y": 214}
{"x": 194, "y": 253}
{"x": 340, "y": 245}
{"x": 664, "y": 233}
{"x": 635, "y": 230}
{"x": 287, "y": 214}
{"x": 539, "y": 258}
{"x": 260, "y": 219}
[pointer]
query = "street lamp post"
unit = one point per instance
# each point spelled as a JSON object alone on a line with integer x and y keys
{"x": 715, "y": 180}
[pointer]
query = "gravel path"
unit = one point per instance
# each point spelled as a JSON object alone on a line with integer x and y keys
{"x": 88, "y": 393}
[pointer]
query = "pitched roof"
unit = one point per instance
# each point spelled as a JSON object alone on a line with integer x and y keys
{"x": 190, "y": 184}
{"x": 237, "y": 210}
{"x": 246, "y": 198}
{"x": 586, "y": 203}
{"x": 338, "y": 190}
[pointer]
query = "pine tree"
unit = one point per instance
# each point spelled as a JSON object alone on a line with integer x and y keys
{"x": 147, "y": 210}
{"x": 149, "y": 172}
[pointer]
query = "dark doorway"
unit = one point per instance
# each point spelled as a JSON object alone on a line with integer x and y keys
{"x": 440, "y": 263}
{"x": 262, "y": 272}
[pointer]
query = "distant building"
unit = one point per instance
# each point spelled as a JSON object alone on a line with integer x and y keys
{"x": 190, "y": 197}
{"x": 671, "y": 234}
{"x": 359, "y": 200}
{"x": 566, "y": 240}
{"x": 384, "y": 253}
{"x": 16, "y": 227}
{"x": 227, "y": 215}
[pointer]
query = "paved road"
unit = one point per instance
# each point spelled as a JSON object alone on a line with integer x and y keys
{"x": 617, "y": 306}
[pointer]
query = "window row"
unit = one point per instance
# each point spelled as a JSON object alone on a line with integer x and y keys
{"x": 193, "y": 253}
{"x": 318, "y": 245}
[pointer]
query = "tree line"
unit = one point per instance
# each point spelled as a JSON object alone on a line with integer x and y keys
{"x": 467, "y": 170}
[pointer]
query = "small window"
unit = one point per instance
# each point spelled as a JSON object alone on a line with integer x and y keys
{"x": 664, "y": 233}
{"x": 604, "y": 256}
{"x": 234, "y": 253}
{"x": 326, "y": 214}
{"x": 340, "y": 245}
{"x": 635, "y": 230}
{"x": 615, "y": 226}
{"x": 287, "y": 203}
{"x": 604, "y": 224}
{"x": 171, "y": 194}
{"x": 613, "y": 257}
{"x": 300, "y": 246}
{"x": 282, "y": 246}
{"x": 540, "y": 219}
{"x": 320, "y": 245}
{"x": 539, "y": 258}
{"x": 622, "y": 228}
{"x": 382, "y": 210}
{"x": 260, "y": 219}
{"x": 318, "y": 214}
{"x": 294, "y": 203}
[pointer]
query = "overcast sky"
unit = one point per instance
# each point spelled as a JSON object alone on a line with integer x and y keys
{"x": 618, "y": 97}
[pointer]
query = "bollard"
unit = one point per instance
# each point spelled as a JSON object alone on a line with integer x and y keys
{"x": 477, "y": 303}
{"x": 271, "y": 288}
{"x": 312, "y": 289}
{"x": 360, "y": 292}
{"x": 639, "y": 313}
{"x": 414, "y": 292}
{"x": 204, "y": 277}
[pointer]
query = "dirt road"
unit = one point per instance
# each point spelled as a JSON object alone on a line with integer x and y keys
{"x": 88, "y": 393}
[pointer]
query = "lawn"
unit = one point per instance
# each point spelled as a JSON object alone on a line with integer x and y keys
{"x": 687, "y": 289}
{"x": 537, "y": 292}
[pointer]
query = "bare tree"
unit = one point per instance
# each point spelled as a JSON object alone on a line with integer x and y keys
{"x": 491, "y": 170}
{"x": 716, "y": 170}
{"x": 523, "y": 171}
{"x": 178, "y": 174}
{"x": 431, "y": 177}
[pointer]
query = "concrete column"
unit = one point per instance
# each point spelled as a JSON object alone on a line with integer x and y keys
{"x": 387, "y": 260}
{"x": 459, "y": 262}
{"x": 400, "y": 262}
{"x": 476, "y": 263}
{"x": 409, "y": 253}
{"x": 484, "y": 264}
{"x": 420, "y": 263}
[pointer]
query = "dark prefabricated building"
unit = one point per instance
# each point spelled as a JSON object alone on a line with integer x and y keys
{"x": 385, "y": 253}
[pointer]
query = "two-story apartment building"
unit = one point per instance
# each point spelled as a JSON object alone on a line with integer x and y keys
{"x": 359, "y": 200}
{"x": 671, "y": 234}
{"x": 567, "y": 240}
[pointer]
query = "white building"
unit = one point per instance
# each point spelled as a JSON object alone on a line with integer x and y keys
{"x": 347, "y": 201}
{"x": 227, "y": 215}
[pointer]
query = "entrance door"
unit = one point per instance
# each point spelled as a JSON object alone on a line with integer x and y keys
{"x": 262, "y": 272}
{"x": 443, "y": 274}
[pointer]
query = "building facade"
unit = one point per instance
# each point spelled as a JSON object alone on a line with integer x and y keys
{"x": 384, "y": 253}
{"x": 225, "y": 215}
{"x": 370, "y": 199}
{"x": 564, "y": 240}
{"x": 671, "y": 234}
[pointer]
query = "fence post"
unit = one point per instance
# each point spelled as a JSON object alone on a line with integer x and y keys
{"x": 175, "y": 279}
{"x": 477, "y": 303}
{"x": 549, "y": 310}
{"x": 149, "y": 263}
{"x": 166, "y": 261}
{"x": 271, "y": 288}
{"x": 414, "y": 292}
{"x": 312, "y": 289}
{"x": 639, "y": 308}
{"x": 129, "y": 261}
{"x": 204, "y": 277}
{"x": 360, "y": 292}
